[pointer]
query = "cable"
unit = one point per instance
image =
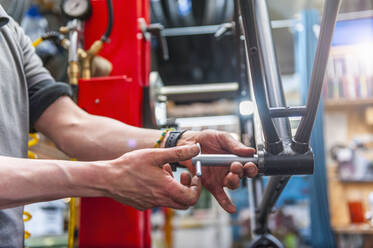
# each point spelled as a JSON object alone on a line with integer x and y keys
{"x": 53, "y": 36}
{"x": 109, "y": 28}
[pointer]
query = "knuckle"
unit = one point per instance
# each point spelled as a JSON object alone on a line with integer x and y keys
{"x": 221, "y": 134}
{"x": 179, "y": 154}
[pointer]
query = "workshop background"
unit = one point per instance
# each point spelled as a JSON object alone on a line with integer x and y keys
{"x": 153, "y": 76}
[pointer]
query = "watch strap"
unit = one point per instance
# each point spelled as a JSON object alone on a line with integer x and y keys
{"x": 171, "y": 141}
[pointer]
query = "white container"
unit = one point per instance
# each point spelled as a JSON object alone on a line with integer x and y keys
{"x": 47, "y": 218}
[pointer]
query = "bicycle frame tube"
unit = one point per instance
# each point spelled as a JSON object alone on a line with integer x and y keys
{"x": 273, "y": 143}
{"x": 240, "y": 56}
{"x": 329, "y": 17}
{"x": 275, "y": 92}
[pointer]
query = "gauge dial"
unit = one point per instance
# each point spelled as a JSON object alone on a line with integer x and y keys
{"x": 76, "y": 9}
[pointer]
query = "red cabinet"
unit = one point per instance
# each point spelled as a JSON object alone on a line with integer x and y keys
{"x": 105, "y": 222}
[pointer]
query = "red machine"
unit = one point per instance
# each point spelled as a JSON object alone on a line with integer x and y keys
{"x": 105, "y": 222}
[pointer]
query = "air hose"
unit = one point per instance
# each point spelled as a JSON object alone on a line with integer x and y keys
{"x": 87, "y": 56}
{"x": 56, "y": 37}
{"x": 109, "y": 27}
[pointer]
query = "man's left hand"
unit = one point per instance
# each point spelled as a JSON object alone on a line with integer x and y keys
{"x": 215, "y": 178}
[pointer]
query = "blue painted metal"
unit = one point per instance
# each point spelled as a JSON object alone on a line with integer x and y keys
{"x": 305, "y": 45}
{"x": 297, "y": 190}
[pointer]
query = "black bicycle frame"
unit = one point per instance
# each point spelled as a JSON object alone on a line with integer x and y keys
{"x": 269, "y": 96}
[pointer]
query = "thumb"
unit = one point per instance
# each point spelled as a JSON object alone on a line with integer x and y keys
{"x": 162, "y": 156}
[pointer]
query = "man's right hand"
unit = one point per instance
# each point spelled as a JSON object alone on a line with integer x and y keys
{"x": 143, "y": 179}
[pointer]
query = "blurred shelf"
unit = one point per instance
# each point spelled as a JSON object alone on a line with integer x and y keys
{"x": 340, "y": 104}
{"x": 350, "y": 181}
{"x": 354, "y": 229}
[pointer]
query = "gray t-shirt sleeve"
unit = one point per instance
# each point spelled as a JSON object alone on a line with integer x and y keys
{"x": 41, "y": 87}
{"x": 32, "y": 64}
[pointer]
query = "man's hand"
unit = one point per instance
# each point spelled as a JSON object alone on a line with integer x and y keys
{"x": 215, "y": 178}
{"x": 143, "y": 179}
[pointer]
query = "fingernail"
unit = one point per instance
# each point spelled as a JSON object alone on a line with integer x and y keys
{"x": 232, "y": 209}
{"x": 195, "y": 180}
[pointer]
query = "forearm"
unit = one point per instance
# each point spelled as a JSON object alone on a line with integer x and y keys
{"x": 89, "y": 137}
{"x": 98, "y": 138}
{"x": 24, "y": 181}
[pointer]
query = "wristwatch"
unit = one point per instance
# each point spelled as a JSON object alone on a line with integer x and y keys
{"x": 173, "y": 137}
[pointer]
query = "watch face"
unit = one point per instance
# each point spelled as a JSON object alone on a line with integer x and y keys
{"x": 76, "y": 8}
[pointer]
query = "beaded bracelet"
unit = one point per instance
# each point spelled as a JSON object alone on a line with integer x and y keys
{"x": 163, "y": 135}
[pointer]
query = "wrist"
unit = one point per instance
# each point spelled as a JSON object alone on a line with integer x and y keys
{"x": 90, "y": 179}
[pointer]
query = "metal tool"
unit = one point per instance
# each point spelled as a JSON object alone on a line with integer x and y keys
{"x": 198, "y": 163}
{"x": 267, "y": 163}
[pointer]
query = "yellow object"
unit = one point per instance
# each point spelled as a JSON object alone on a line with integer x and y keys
{"x": 37, "y": 42}
{"x": 72, "y": 220}
{"x": 34, "y": 139}
{"x": 27, "y": 217}
{"x": 32, "y": 142}
{"x": 32, "y": 155}
{"x": 168, "y": 227}
{"x": 87, "y": 56}
{"x": 73, "y": 72}
{"x": 163, "y": 135}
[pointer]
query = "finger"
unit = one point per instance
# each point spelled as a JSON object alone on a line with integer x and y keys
{"x": 186, "y": 195}
{"x": 185, "y": 179}
{"x": 237, "y": 168}
{"x": 231, "y": 145}
{"x": 169, "y": 203}
{"x": 168, "y": 169}
{"x": 223, "y": 200}
{"x": 167, "y": 155}
{"x": 250, "y": 169}
{"x": 176, "y": 205}
{"x": 232, "y": 181}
